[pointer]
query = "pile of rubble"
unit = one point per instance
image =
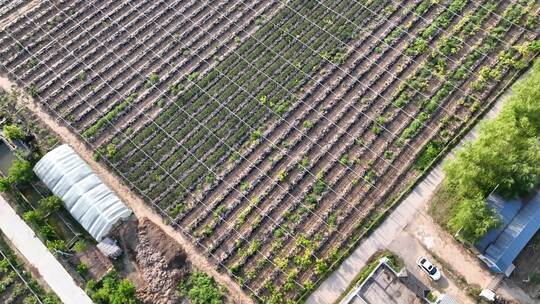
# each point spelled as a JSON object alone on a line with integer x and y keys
{"x": 159, "y": 262}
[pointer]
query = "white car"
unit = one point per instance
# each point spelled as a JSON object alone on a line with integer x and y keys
{"x": 431, "y": 270}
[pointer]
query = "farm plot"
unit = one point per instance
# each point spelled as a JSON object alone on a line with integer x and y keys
{"x": 12, "y": 288}
{"x": 271, "y": 131}
{"x": 16, "y": 285}
{"x": 8, "y": 6}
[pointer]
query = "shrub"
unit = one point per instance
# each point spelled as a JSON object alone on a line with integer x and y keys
{"x": 50, "y": 204}
{"x": 320, "y": 185}
{"x": 79, "y": 246}
{"x": 56, "y": 245}
{"x": 344, "y": 160}
{"x": 308, "y": 124}
{"x": 82, "y": 269}
{"x": 321, "y": 266}
{"x": 112, "y": 114}
{"x": 111, "y": 290}
{"x": 111, "y": 150}
{"x": 193, "y": 76}
{"x": 256, "y": 135}
{"x": 175, "y": 89}
{"x": 152, "y": 80}
{"x": 12, "y": 132}
{"x": 30, "y": 300}
{"x": 376, "y": 130}
{"x": 82, "y": 76}
{"x": 176, "y": 210}
{"x": 32, "y": 90}
{"x": 200, "y": 288}
{"x": 430, "y": 152}
{"x": 33, "y": 216}
{"x": 20, "y": 172}
{"x": 282, "y": 175}
{"x": 389, "y": 154}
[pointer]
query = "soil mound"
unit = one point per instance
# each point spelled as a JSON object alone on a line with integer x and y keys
{"x": 159, "y": 261}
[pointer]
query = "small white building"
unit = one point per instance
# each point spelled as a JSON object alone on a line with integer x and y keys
{"x": 83, "y": 193}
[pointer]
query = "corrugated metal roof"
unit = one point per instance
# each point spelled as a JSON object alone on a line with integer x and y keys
{"x": 515, "y": 235}
{"x": 447, "y": 299}
{"x": 83, "y": 193}
{"x": 506, "y": 211}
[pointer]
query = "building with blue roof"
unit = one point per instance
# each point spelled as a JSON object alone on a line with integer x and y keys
{"x": 520, "y": 220}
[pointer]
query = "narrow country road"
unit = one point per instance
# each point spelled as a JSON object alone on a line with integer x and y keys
{"x": 50, "y": 270}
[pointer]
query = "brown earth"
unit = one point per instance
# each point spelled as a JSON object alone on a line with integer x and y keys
{"x": 158, "y": 263}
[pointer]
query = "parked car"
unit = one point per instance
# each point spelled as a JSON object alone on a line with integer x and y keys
{"x": 431, "y": 270}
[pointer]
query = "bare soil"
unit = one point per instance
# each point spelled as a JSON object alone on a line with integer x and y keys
{"x": 100, "y": 265}
{"x": 158, "y": 265}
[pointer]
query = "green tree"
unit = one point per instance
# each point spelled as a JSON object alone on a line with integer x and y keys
{"x": 50, "y": 204}
{"x": 12, "y": 132}
{"x": 523, "y": 105}
{"x": 33, "y": 216}
{"x": 20, "y": 172}
{"x": 473, "y": 219}
{"x": 505, "y": 156}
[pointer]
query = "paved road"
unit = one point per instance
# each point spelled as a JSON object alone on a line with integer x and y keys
{"x": 51, "y": 271}
{"x": 408, "y": 210}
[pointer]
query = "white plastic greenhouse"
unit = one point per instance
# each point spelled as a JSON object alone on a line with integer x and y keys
{"x": 85, "y": 196}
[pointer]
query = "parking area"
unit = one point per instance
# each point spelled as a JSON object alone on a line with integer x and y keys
{"x": 410, "y": 249}
{"x": 423, "y": 237}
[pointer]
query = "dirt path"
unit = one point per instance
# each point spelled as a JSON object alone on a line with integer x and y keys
{"x": 139, "y": 207}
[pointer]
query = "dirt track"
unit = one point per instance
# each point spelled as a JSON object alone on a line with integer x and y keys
{"x": 140, "y": 209}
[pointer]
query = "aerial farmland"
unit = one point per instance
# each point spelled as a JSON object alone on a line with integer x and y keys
{"x": 274, "y": 134}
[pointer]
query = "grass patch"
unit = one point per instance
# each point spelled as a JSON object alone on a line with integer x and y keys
{"x": 442, "y": 206}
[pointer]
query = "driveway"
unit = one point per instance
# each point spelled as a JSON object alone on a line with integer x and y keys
{"x": 33, "y": 250}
